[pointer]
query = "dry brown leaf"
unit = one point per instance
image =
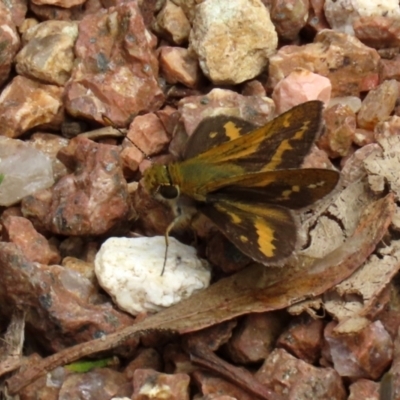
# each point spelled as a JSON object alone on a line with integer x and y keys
{"x": 308, "y": 306}
{"x": 396, "y": 220}
{"x": 355, "y": 296}
{"x": 338, "y": 221}
{"x": 383, "y": 165}
{"x": 12, "y": 343}
{"x": 254, "y": 289}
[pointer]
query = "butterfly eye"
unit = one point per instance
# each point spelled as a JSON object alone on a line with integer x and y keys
{"x": 169, "y": 192}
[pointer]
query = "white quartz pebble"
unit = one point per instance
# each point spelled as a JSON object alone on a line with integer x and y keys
{"x": 25, "y": 169}
{"x": 129, "y": 270}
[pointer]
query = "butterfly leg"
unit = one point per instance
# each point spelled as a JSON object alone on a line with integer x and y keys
{"x": 184, "y": 211}
{"x": 168, "y": 230}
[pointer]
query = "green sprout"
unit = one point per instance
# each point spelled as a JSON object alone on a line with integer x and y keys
{"x": 85, "y": 366}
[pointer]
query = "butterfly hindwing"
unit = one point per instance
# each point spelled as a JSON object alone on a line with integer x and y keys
{"x": 266, "y": 233}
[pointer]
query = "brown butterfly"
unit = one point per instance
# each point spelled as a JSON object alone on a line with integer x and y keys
{"x": 247, "y": 180}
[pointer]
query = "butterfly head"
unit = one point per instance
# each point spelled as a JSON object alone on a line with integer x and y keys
{"x": 157, "y": 181}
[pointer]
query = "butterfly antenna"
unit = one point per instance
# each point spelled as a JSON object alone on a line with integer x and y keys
{"x": 108, "y": 122}
{"x": 166, "y": 253}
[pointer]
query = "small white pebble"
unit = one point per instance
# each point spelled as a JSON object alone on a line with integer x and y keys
{"x": 120, "y": 398}
{"x": 352, "y": 101}
{"x": 341, "y": 14}
{"x": 129, "y": 270}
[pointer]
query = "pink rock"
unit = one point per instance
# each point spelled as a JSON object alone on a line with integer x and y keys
{"x": 115, "y": 73}
{"x": 300, "y": 86}
{"x": 179, "y": 65}
{"x": 82, "y": 267}
{"x": 148, "y": 383}
{"x": 369, "y": 82}
{"x": 171, "y": 22}
{"x": 390, "y": 318}
{"x": 350, "y": 66}
{"x": 255, "y": 337}
{"x": 212, "y": 337}
{"x": 26, "y": 170}
{"x": 289, "y": 17}
{"x": 364, "y": 389}
{"x": 40, "y": 386}
{"x": 232, "y": 39}
{"x": 100, "y": 384}
{"x": 148, "y": 133}
{"x": 378, "y": 31}
{"x": 169, "y": 117}
{"x": 25, "y": 104}
{"x": 92, "y": 201}
{"x": 342, "y": 14}
{"x": 316, "y": 21}
{"x": 189, "y": 8}
{"x": 48, "y": 52}
{"x": 56, "y": 299}
{"x": 390, "y": 382}
{"x": 76, "y": 13}
{"x": 154, "y": 216}
{"x": 353, "y": 102}
{"x": 213, "y": 386}
{"x": 147, "y": 358}
{"x": 35, "y": 247}
{"x": 295, "y": 379}
{"x": 389, "y": 69}
{"x": 362, "y": 137}
{"x": 147, "y": 137}
{"x": 131, "y": 158}
{"x": 303, "y": 338}
{"x": 148, "y": 9}
{"x": 389, "y": 126}
{"x": 16, "y": 9}
{"x": 50, "y": 145}
{"x": 176, "y": 360}
{"x": 46, "y": 12}
{"x": 378, "y": 104}
{"x": 194, "y": 109}
{"x": 10, "y": 42}
{"x": 253, "y": 88}
{"x": 340, "y": 127}
{"x": 317, "y": 158}
{"x": 60, "y": 3}
{"x": 364, "y": 354}
{"x": 222, "y": 397}
{"x": 353, "y": 168}
{"x": 220, "y": 251}
{"x": 13, "y": 211}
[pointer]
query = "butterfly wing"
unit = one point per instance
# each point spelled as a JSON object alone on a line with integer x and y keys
{"x": 280, "y": 144}
{"x": 254, "y": 214}
{"x": 293, "y": 188}
{"x": 266, "y": 233}
{"x": 213, "y": 131}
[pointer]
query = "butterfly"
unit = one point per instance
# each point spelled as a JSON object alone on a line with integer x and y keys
{"x": 247, "y": 180}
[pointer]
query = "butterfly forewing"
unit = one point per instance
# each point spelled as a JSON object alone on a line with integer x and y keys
{"x": 213, "y": 131}
{"x": 293, "y": 188}
{"x": 280, "y": 144}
